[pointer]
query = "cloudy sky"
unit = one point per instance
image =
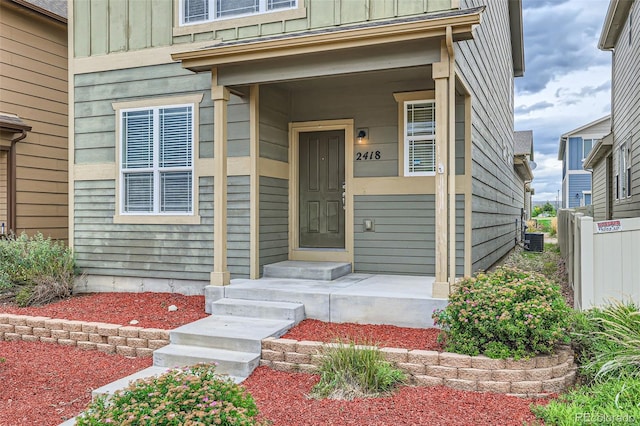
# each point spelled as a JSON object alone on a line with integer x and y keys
{"x": 567, "y": 80}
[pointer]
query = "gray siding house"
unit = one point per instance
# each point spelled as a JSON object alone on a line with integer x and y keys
{"x": 210, "y": 139}
{"x": 616, "y": 160}
{"x": 575, "y": 146}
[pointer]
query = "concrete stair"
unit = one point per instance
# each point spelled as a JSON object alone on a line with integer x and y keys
{"x": 322, "y": 271}
{"x": 259, "y": 308}
{"x": 232, "y": 338}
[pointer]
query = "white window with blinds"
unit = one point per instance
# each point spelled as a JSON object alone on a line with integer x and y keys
{"x": 199, "y": 11}
{"x": 156, "y": 168}
{"x": 419, "y": 138}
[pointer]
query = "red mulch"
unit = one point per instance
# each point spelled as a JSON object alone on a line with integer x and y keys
{"x": 149, "y": 309}
{"x": 281, "y": 398}
{"x": 44, "y": 384}
{"x": 387, "y": 336}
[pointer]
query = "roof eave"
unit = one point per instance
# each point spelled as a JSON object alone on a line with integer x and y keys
{"x": 204, "y": 59}
{"x": 613, "y": 23}
{"x": 517, "y": 37}
{"x": 521, "y": 165}
{"x": 600, "y": 150}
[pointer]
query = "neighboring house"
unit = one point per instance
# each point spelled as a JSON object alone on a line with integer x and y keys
{"x": 211, "y": 138}
{"x": 523, "y": 161}
{"x": 616, "y": 160}
{"x": 574, "y": 148}
{"x": 33, "y": 117}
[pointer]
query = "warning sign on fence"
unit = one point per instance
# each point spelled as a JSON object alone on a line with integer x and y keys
{"x": 609, "y": 226}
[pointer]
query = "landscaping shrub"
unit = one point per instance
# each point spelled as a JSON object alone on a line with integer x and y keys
{"x": 189, "y": 396}
{"x": 607, "y": 341}
{"x": 507, "y": 313}
{"x": 35, "y": 270}
{"x": 350, "y": 371}
{"x": 611, "y": 402}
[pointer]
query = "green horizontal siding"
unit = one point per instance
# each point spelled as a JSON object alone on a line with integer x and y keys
{"x": 132, "y": 250}
{"x": 238, "y": 226}
{"x": 274, "y": 220}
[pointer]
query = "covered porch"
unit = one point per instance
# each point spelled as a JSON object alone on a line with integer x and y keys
{"x": 341, "y": 98}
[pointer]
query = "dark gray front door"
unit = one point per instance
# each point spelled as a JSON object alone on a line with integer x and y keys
{"x": 321, "y": 188}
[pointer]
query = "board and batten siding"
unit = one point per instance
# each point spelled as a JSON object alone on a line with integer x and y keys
{"x": 485, "y": 63}
{"x": 33, "y": 71}
{"x": 403, "y": 238}
{"x": 102, "y": 27}
{"x": 238, "y": 226}
{"x": 274, "y": 220}
{"x": 626, "y": 108}
{"x": 101, "y": 247}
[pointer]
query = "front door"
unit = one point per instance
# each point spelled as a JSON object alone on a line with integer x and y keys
{"x": 322, "y": 177}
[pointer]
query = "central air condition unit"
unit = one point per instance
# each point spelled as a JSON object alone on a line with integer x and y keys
{"x": 534, "y": 242}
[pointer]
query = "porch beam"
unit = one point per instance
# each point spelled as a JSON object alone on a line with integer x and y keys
{"x": 220, "y": 96}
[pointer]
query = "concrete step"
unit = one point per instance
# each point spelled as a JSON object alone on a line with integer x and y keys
{"x": 323, "y": 271}
{"x": 259, "y": 309}
{"x": 229, "y": 332}
{"x": 232, "y": 363}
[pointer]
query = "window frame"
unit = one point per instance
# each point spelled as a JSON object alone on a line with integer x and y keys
{"x": 407, "y": 139}
{"x": 262, "y": 6}
{"x": 155, "y": 217}
{"x": 623, "y": 172}
{"x": 586, "y": 154}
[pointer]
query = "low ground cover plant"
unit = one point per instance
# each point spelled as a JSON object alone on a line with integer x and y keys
{"x": 505, "y": 313}
{"x": 607, "y": 345}
{"x": 35, "y": 270}
{"x": 355, "y": 371}
{"x": 190, "y": 396}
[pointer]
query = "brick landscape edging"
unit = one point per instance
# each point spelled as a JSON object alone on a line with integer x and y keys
{"x": 535, "y": 377}
{"x": 109, "y": 338}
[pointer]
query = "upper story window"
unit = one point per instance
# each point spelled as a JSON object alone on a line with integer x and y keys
{"x": 587, "y": 144}
{"x": 156, "y": 160}
{"x": 419, "y": 138}
{"x": 199, "y": 11}
{"x": 623, "y": 172}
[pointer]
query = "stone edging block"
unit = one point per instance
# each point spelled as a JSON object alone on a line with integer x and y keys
{"x": 534, "y": 378}
{"x": 109, "y": 338}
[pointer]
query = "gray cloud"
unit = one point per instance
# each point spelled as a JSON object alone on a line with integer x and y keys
{"x": 560, "y": 38}
{"x": 525, "y": 109}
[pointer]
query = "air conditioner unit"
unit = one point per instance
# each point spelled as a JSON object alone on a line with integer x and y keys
{"x": 534, "y": 242}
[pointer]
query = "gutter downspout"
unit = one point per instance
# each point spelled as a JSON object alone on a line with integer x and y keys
{"x": 11, "y": 201}
{"x": 452, "y": 160}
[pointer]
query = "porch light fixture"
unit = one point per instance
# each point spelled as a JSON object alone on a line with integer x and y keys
{"x": 362, "y": 135}
{"x": 578, "y": 196}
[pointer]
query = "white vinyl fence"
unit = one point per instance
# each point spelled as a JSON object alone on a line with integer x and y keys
{"x": 602, "y": 258}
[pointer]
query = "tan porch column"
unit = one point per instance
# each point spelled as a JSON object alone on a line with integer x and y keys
{"x": 220, "y": 96}
{"x": 441, "y": 74}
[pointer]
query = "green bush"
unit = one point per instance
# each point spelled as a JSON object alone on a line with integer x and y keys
{"x": 35, "y": 270}
{"x": 189, "y": 396}
{"x": 612, "y": 402}
{"x": 507, "y": 313}
{"x": 351, "y": 371}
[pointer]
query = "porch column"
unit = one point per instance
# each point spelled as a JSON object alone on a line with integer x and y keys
{"x": 441, "y": 74}
{"x": 220, "y": 96}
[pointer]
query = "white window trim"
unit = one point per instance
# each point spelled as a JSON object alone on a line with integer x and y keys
{"x": 583, "y": 200}
{"x": 173, "y": 218}
{"x": 622, "y": 171}
{"x": 406, "y": 138}
{"x": 211, "y": 3}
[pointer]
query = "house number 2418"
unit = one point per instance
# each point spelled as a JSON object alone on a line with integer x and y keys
{"x": 368, "y": 155}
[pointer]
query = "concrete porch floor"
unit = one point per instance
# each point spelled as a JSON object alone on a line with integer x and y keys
{"x": 399, "y": 300}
